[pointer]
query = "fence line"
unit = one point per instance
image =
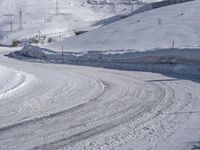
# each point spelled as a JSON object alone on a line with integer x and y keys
{"x": 167, "y": 3}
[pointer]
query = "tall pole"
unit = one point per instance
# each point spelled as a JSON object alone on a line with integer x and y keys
{"x": 132, "y": 7}
{"x": 57, "y": 8}
{"x": 173, "y": 43}
{"x": 60, "y": 36}
{"x": 62, "y": 49}
{"x": 20, "y": 20}
{"x": 11, "y": 26}
{"x": 39, "y": 36}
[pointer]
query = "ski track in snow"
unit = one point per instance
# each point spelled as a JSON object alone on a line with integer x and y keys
{"x": 12, "y": 82}
{"x": 72, "y": 107}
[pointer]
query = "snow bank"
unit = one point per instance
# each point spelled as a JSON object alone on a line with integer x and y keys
{"x": 181, "y": 61}
{"x": 33, "y": 51}
{"x": 11, "y": 81}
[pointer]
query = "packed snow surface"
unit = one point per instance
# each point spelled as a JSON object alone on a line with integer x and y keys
{"x": 73, "y": 107}
{"x": 11, "y": 81}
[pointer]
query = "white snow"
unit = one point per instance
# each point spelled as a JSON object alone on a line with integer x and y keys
{"x": 40, "y": 16}
{"x": 73, "y": 107}
{"x": 155, "y": 29}
{"x": 11, "y": 81}
{"x": 46, "y": 93}
{"x": 32, "y": 51}
{"x": 60, "y": 106}
{"x": 139, "y": 42}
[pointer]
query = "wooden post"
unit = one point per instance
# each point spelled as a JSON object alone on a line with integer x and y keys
{"x": 62, "y": 50}
{"x": 132, "y": 7}
{"x": 60, "y": 37}
{"x": 173, "y": 45}
{"x": 39, "y": 36}
{"x": 57, "y": 7}
{"x": 20, "y": 20}
{"x": 11, "y": 26}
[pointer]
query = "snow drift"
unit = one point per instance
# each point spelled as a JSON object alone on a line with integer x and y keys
{"x": 32, "y": 51}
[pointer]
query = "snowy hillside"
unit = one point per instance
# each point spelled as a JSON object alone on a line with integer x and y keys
{"x": 145, "y": 31}
{"x": 51, "y": 18}
{"x": 167, "y": 35}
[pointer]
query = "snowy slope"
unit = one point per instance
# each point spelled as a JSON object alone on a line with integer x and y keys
{"x": 149, "y": 30}
{"x": 41, "y": 16}
{"x": 140, "y": 42}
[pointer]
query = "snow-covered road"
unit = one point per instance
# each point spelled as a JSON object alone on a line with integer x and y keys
{"x": 51, "y": 106}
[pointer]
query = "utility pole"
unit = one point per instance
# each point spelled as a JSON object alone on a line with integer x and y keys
{"x": 11, "y": 26}
{"x": 173, "y": 43}
{"x": 62, "y": 49}
{"x": 60, "y": 36}
{"x": 57, "y": 7}
{"x": 20, "y": 20}
{"x": 132, "y": 7}
{"x": 39, "y": 36}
